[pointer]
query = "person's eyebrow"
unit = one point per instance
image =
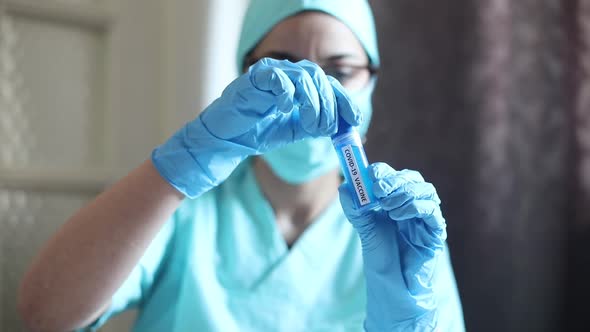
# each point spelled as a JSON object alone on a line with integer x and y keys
{"x": 337, "y": 57}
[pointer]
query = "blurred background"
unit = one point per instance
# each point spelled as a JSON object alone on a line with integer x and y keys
{"x": 490, "y": 100}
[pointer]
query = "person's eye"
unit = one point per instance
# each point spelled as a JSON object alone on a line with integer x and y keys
{"x": 340, "y": 73}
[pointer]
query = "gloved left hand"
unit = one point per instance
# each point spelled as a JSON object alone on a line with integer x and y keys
{"x": 401, "y": 243}
{"x": 274, "y": 104}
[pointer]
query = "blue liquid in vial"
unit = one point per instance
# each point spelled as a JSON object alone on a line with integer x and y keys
{"x": 353, "y": 162}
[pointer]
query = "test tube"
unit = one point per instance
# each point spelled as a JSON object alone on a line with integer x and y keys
{"x": 353, "y": 162}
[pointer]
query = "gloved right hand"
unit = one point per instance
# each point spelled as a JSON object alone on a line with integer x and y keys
{"x": 275, "y": 103}
{"x": 402, "y": 242}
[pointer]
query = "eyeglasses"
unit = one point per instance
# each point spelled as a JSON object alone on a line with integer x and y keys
{"x": 352, "y": 77}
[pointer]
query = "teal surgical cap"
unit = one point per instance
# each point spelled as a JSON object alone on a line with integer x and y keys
{"x": 263, "y": 15}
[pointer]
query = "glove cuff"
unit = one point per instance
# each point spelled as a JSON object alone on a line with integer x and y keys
{"x": 194, "y": 161}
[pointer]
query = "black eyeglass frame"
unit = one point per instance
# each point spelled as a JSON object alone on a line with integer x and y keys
{"x": 373, "y": 70}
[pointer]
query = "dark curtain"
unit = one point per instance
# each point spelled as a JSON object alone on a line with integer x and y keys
{"x": 490, "y": 101}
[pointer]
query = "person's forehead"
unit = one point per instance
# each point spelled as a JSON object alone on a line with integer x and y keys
{"x": 311, "y": 32}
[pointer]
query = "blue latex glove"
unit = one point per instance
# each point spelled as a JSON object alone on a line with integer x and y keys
{"x": 402, "y": 241}
{"x": 275, "y": 103}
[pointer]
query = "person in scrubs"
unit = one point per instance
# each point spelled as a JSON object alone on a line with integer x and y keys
{"x": 240, "y": 221}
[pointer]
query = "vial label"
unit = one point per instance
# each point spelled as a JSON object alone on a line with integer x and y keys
{"x": 355, "y": 175}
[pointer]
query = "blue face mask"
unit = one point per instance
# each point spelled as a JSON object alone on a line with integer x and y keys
{"x": 363, "y": 98}
{"x": 311, "y": 158}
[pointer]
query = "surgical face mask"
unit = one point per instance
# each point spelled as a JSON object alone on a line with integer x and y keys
{"x": 363, "y": 98}
{"x": 311, "y": 158}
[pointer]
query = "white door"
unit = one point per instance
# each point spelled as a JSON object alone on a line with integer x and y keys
{"x": 87, "y": 89}
{"x": 74, "y": 76}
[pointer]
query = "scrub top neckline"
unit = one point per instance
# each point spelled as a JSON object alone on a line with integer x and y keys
{"x": 311, "y": 240}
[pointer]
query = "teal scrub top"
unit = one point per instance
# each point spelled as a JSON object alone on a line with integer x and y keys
{"x": 221, "y": 264}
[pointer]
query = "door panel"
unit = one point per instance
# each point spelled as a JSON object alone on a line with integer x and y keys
{"x": 61, "y": 118}
{"x": 61, "y": 67}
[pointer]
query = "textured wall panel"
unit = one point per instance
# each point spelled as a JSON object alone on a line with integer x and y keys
{"x": 57, "y": 82}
